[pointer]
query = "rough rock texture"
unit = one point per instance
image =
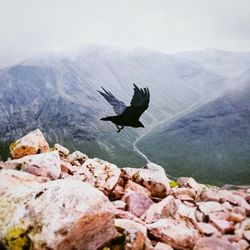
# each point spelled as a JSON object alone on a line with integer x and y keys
{"x": 153, "y": 180}
{"x": 100, "y": 174}
{"x": 137, "y": 208}
{"x": 178, "y": 233}
{"x": 58, "y": 215}
{"x": 137, "y": 203}
{"x": 215, "y": 243}
{"x": 30, "y": 144}
{"x": 77, "y": 158}
{"x": 165, "y": 208}
{"x": 135, "y": 234}
{"x": 45, "y": 164}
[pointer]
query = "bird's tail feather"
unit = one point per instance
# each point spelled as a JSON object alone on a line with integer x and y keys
{"x": 105, "y": 119}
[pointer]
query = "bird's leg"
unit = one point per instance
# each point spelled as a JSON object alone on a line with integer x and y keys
{"x": 118, "y": 129}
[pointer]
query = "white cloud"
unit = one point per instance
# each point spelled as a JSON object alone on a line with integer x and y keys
{"x": 29, "y": 27}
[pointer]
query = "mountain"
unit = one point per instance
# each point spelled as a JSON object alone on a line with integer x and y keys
{"x": 57, "y": 93}
{"x": 212, "y": 142}
{"x": 225, "y": 63}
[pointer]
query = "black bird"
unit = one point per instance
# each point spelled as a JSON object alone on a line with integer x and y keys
{"x": 127, "y": 115}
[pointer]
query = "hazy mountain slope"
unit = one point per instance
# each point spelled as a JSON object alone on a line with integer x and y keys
{"x": 225, "y": 63}
{"x": 57, "y": 93}
{"x": 212, "y": 142}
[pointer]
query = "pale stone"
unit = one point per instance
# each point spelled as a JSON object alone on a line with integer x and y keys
{"x": 246, "y": 235}
{"x": 206, "y": 228}
{"x": 59, "y": 215}
{"x": 135, "y": 234}
{"x": 120, "y": 214}
{"x": 165, "y": 208}
{"x": 227, "y": 196}
{"x": 45, "y": 164}
{"x": 63, "y": 151}
{"x": 210, "y": 195}
{"x": 13, "y": 179}
{"x": 221, "y": 224}
{"x": 77, "y": 158}
{"x": 137, "y": 203}
{"x": 187, "y": 212}
{"x": 184, "y": 191}
{"x": 132, "y": 186}
{"x": 209, "y": 207}
{"x": 244, "y": 245}
{"x": 32, "y": 143}
{"x": 215, "y": 243}
{"x": 100, "y": 174}
{"x": 119, "y": 204}
{"x": 180, "y": 234}
{"x": 67, "y": 167}
{"x": 162, "y": 246}
{"x": 153, "y": 180}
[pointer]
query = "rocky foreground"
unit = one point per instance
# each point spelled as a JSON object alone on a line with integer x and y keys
{"x": 53, "y": 199}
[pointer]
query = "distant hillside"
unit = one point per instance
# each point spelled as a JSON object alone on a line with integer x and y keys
{"x": 57, "y": 93}
{"x": 224, "y": 63}
{"x": 212, "y": 142}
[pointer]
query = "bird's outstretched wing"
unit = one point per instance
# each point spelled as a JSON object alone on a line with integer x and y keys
{"x": 118, "y": 105}
{"x": 140, "y": 100}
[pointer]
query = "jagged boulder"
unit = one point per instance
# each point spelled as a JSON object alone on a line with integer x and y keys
{"x": 180, "y": 234}
{"x": 135, "y": 234}
{"x": 32, "y": 143}
{"x": 60, "y": 214}
{"x": 77, "y": 158}
{"x": 153, "y": 178}
{"x": 45, "y": 164}
{"x": 163, "y": 209}
{"x": 100, "y": 174}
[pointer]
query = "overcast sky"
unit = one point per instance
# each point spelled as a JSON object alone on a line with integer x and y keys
{"x": 31, "y": 27}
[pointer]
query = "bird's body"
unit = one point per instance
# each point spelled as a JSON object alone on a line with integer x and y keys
{"x": 128, "y": 116}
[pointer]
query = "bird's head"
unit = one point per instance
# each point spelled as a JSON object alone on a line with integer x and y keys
{"x": 139, "y": 124}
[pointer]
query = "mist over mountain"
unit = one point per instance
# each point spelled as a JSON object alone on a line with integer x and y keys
{"x": 57, "y": 93}
{"x": 225, "y": 63}
{"x": 212, "y": 142}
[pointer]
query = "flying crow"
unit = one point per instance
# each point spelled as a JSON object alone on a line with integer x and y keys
{"x": 127, "y": 115}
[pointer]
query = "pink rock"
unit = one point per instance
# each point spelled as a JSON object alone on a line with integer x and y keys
{"x": 187, "y": 212}
{"x": 153, "y": 180}
{"x": 209, "y": 207}
{"x": 101, "y": 174}
{"x": 13, "y": 179}
{"x": 210, "y": 195}
{"x": 228, "y": 196}
{"x": 242, "y": 202}
{"x": 120, "y": 214}
{"x": 221, "y": 224}
{"x": 119, "y": 204}
{"x": 32, "y": 143}
{"x": 165, "y": 208}
{"x": 162, "y": 246}
{"x": 67, "y": 167}
{"x": 45, "y": 164}
{"x": 132, "y": 186}
{"x": 184, "y": 192}
{"x": 138, "y": 203}
{"x": 59, "y": 214}
{"x": 135, "y": 234}
{"x": 63, "y": 152}
{"x": 179, "y": 234}
{"x": 206, "y": 229}
{"x": 244, "y": 245}
{"x": 77, "y": 158}
{"x": 215, "y": 243}
{"x": 117, "y": 193}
